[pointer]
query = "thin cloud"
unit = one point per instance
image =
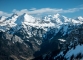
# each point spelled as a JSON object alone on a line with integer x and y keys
{"x": 48, "y": 11}
{"x": 73, "y": 10}
{"x": 5, "y": 14}
{"x": 45, "y": 10}
{"x": 41, "y": 11}
{"x": 20, "y": 12}
{"x": 32, "y": 9}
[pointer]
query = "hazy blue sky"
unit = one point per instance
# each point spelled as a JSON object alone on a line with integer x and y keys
{"x": 70, "y": 8}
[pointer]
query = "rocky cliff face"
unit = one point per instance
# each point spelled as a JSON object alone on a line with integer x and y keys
{"x": 13, "y": 48}
{"x": 71, "y": 49}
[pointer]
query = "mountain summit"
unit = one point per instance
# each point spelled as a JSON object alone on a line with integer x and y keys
{"x": 25, "y": 18}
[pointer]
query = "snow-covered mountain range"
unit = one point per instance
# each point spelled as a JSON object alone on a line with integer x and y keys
{"x": 38, "y": 34}
{"x": 46, "y": 23}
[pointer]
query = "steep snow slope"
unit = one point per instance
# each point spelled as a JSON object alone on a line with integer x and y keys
{"x": 74, "y": 52}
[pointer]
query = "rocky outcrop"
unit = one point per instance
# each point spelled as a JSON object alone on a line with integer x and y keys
{"x": 71, "y": 49}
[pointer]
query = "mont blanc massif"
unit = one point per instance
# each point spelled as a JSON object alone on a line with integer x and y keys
{"x": 50, "y": 37}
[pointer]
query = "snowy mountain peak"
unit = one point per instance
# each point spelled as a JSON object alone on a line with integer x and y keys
{"x": 3, "y": 18}
{"x": 25, "y": 18}
{"x": 80, "y": 18}
{"x": 14, "y": 15}
{"x": 56, "y": 15}
{"x": 24, "y": 14}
